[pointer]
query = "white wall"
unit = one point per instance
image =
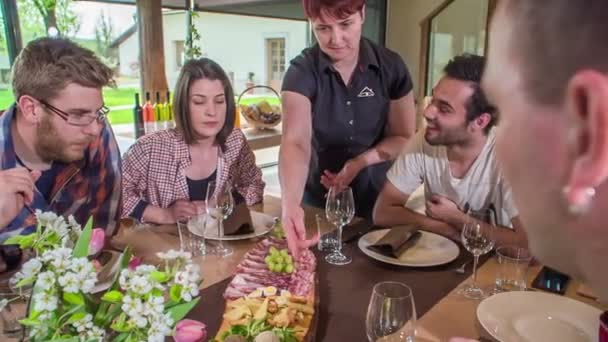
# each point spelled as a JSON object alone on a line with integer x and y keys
{"x": 237, "y": 43}
{"x": 128, "y": 55}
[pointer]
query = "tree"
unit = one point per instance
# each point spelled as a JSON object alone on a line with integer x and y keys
{"x": 41, "y": 15}
{"x": 104, "y": 34}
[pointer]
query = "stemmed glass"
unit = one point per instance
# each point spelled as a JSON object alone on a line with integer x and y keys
{"x": 219, "y": 204}
{"x": 339, "y": 210}
{"x": 478, "y": 238}
{"x": 391, "y": 314}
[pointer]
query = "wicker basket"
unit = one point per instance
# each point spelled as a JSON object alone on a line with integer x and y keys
{"x": 258, "y": 115}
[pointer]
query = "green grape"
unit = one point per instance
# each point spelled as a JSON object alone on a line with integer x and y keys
{"x": 268, "y": 259}
{"x": 277, "y": 268}
{"x": 284, "y": 252}
{"x": 289, "y": 269}
{"x": 289, "y": 259}
{"x": 273, "y": 250}
{"x": 270, "y": 265}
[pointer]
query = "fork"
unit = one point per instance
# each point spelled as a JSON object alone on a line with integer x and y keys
{"x": 461, "y": 269}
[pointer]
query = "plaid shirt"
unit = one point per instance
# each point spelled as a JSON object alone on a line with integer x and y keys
{"x": 90, "y": 186}
{"x": 155, "y": 170}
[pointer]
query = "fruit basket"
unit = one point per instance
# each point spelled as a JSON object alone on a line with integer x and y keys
{"x": 261, "y": 115}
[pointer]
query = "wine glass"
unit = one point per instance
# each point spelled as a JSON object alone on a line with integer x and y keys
{"x": 339, "y": 210}
{"x": 391, "y": 314}
{"x": 478, "y": 238}
{"x": 219, "y": 204}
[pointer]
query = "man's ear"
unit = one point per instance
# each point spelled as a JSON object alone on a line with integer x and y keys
{"x": 481, "y": 122}
{"x": 27, "y": 107}
{"x": 587, "y": 105}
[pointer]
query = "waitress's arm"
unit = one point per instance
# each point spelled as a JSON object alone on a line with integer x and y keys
{"x": 399, "y": 129}
{"x": 294, "y": 156}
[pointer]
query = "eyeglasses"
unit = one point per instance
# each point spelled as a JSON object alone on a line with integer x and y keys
{"x": 79, "y": 120}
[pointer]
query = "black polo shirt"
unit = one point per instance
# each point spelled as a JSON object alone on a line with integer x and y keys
{"x": 348, "y": 120}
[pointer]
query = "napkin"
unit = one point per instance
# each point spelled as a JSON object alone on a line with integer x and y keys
{"x": 398, "y": 240}
{"x": 238, "y": 223}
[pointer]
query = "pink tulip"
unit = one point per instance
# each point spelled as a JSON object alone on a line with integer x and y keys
{"x": 97, "y": 240}
{"x": 188, "y": 330}
{"x": 135, "y": 261}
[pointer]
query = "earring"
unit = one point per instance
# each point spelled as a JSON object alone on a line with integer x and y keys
{"x": 579, "y": 203}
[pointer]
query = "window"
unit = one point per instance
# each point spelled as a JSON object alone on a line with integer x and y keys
{"x": 180, "y": 53}
{"x": 458, "y": 28}
{"x": 275, "y": 48}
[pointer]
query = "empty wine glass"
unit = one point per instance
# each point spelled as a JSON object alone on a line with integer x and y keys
{"x": 391, "y": 314}
{"x": 478, "y": 238}
{"x": 219, "y": 204}
{"x": 339, "y": 210}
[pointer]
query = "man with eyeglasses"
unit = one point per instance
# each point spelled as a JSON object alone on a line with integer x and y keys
{"x": 57, "y": 152}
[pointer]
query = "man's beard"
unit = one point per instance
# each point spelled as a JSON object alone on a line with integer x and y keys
{"x": 449, "y": 137}
{"x": 50, "y": 147}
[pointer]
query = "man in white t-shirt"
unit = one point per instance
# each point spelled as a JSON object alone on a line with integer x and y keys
{"x": 454, "y": 157}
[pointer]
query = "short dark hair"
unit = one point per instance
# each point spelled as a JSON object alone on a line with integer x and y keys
{"x": 336, "y": 8}
{"x": 193, "y": 70}
{"x": 469, "y": 68}
{"x": 555, "y": 39}
{"x": 47, "y": 65}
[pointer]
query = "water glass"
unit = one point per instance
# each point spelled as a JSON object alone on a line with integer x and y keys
{"x": 512, "y": 268}
{"x": 391, "y": 314}
{"x": 192, "y": 235}
{"x": 327, "y": 241}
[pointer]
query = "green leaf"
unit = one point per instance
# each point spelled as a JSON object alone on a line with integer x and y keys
{"x": 176, "y": 292}
{"x": 178, "y": 312}
{"x": 120, "y": 325}
{"x": 14, "y": 240}
{"x": 112, "y": 297}
{"x": 160, "y": 277}
{"x": 77, "y": 317}
{"x": 27, "y": 241}
{"x": 74, "y": 298}
{"x": 121, "y": 337}
{"x": 81, "y": 249}
{"x": 29, "y": 322}
{"x": 67, "y": 339}
{"x": 157, "y": 293}
{"x": 26, "y": 281}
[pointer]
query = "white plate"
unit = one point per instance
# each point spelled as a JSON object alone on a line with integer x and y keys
{"x": 430, "y": 250}
{"x": 262, "y": 224}
{"x": 537, "y": 316}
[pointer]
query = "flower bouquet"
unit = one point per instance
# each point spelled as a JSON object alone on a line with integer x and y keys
{"x": 143, "y": 302}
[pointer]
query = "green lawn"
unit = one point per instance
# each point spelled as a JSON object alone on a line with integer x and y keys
{"x": 121, "y": 97}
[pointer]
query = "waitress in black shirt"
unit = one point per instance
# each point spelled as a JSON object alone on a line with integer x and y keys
{"x": 348, "y": 112}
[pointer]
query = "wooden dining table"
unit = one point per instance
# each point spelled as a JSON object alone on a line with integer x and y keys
{"x": 344, "y": 290}
{"x": 442, "y": 312}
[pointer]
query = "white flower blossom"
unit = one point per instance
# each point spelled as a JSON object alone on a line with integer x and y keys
{"x": 84, "y": 324}
{"x": 31, "y": 268}
{"x": 45, "y": 218}
{"x": 69, "y": 282}
{"x": 45, "y": 302}
{"x": 46, "y": 280}
{"x": 154, "y": 306}
{"x": 95, "y": 334}
{"x": 189, "y": 291}
{"x": 140, "y": 285}
{"x": 58, "y": 258}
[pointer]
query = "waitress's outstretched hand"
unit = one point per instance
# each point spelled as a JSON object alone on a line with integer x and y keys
{"x": 295, "y": 231}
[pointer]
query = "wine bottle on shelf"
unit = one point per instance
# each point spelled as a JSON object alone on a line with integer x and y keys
{"x": 158, "y": 113}
{"x": 138, "y": 118}
{"x": 149, "y": 115}
{"x": 168, "y": 106}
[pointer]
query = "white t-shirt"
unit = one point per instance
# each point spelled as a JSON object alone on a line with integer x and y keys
{"x": 482, "y": 187}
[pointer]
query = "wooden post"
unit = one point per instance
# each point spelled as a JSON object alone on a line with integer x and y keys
{"x": 151, "y": 48}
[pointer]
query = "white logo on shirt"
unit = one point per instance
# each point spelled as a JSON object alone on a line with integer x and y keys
{"x": 366, "y": 92}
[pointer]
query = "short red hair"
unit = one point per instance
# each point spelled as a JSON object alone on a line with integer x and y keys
{"x": 339, "y": 9}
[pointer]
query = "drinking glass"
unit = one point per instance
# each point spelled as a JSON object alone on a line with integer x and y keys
{"x": 339, "y": 210}
{"x": 478, "y": 238}
{"x": 219, "y": 204}
{"x": 192, "y": 235}
{"x": 391, "y": 314}
{"x": 327, "y": 241}
{"x": 512, "y": 268}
